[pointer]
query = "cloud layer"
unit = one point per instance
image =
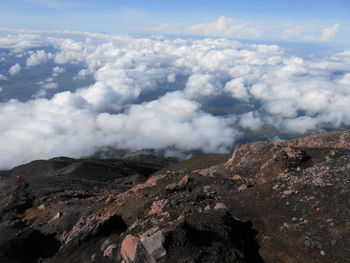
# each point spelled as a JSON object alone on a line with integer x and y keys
{"x": 288, "y": 93}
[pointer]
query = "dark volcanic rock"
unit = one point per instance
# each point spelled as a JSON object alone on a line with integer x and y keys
{"x": 280, "y": 202}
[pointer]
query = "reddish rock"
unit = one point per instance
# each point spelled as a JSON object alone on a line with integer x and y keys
{"x": 157, "y": 207}
{"x": 171, "y": 187}
{"x": 129, "y": 247}
{"x": 278, "y": 143}
{"x": 242, "y": 188}
{"x": 288, "y": 192}
{"x": 184, "y": 180}
{"x": 220, "y": 206}
{"x": 206, "y": 189}
{"x": 204, "y": 172}
{"x": 236, "y": 177}
{"x": 151, "y": 182}
{"x": 340, "y": 145}
{"x": 109, "y": 250}
{"x": 319, "y": 181}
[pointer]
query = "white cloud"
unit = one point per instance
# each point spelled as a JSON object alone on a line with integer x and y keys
{"x": 300, "y": 125}
{"x": 57, "y": 70}
{"x": 250, "y": 120}
{"x": 2, "y": 77}
{"x": 20, "y": 41}
{"x": 345, "y": 79}
{"x": 39, "y": 57}
{"x": 55, "y": 127}
{"x": 200, "y": 85}
{"x": 329, "y": 32}
{"x": 50, "y": 85}
{"x": 226, "y": 27}
{"x": 237, "y": 88}
{"x": 15, "y": 69}
{"x": 0, "y": 89}
{"x": 289, "y": 93}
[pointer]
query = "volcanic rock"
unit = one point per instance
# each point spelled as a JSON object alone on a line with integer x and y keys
{"x": 267, "y": 202}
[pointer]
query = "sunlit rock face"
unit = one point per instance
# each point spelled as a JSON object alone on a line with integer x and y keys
{"x": 73, "y": 94}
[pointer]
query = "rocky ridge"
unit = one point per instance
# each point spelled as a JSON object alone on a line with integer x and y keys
{"x": 268, "y": 202}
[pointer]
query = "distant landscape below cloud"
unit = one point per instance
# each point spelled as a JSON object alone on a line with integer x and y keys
{"x": 70, "y": 93}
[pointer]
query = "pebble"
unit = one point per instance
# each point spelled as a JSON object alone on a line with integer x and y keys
{"x": 242, "y": 188}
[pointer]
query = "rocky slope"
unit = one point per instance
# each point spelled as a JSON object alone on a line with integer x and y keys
{"x": 280, "y": 202}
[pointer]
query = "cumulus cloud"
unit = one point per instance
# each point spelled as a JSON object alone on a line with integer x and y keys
{"x": 226, "y": 27}
{"x": 236, "y": 87}
{"x": 200, "y": 85}
{"x": 2, "y": 77}
{"x": 38, "y": 58}
{"x": 55, "y": 126}
{"x": 21, "y": 41}
{"x": 150, "y": 92}
{"x": 345, "y": 79}
{"x": 57, "y": 70}
{"x": 251, "y": 120}
{"x": 15, "y": 69}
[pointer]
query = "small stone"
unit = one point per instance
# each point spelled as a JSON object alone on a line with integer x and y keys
{"x": 204, "y": 172}
{"x": 105, "y": 244}
{"x": 129, "y": 247}
{"x": 171, "y": 187}
{"x": 275, "y": 187}
{"x": 56, "y": 216}
{"x": 206, "y": 189}
{"x": 207, "y": 208}
{"x": 278, "y": 143}
{"x": 157, "y": 206}
{"x": 288, "y": 192}
{"x": 242, "y": 188}
{"x": 236, "y": 177}
{"x": 108, "y": 199}
{"x": 318, "y": 181}
{"x": 184, "y": 180}
{"x": 220, "y": 206}
{"x": 340, "y": 145}
{"x": 109, "y": 250}
{"x": 153, "y": 243}
{"x": 41, "y": 207}
{"x": 322, "y": 253}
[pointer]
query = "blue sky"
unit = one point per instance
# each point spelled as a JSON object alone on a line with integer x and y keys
{"x": 290, "y": 20}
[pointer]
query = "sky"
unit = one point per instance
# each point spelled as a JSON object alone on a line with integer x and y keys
{"x": 289, "y": 20}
